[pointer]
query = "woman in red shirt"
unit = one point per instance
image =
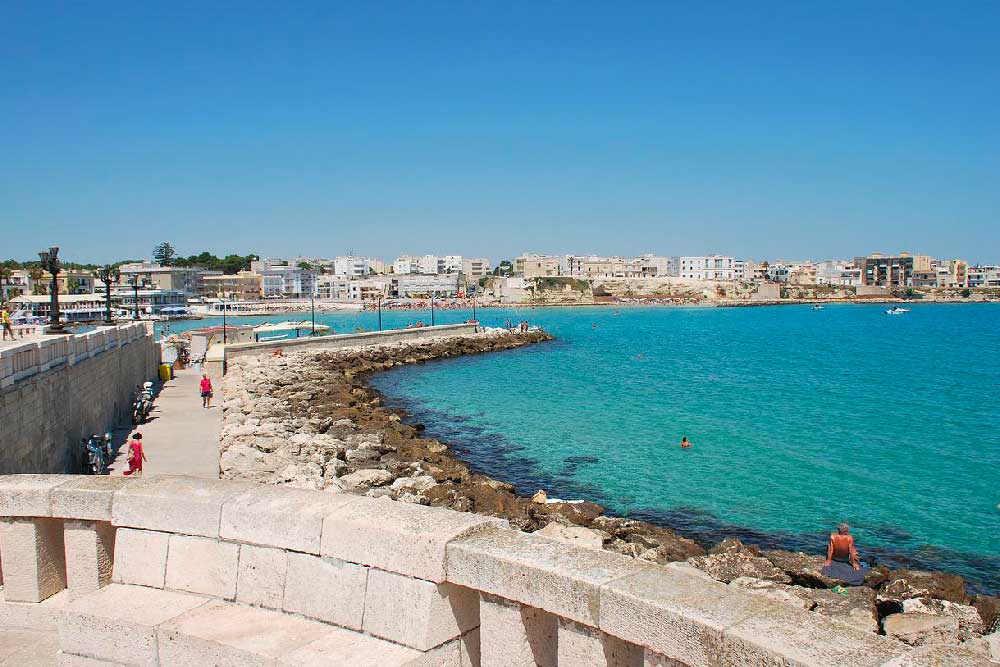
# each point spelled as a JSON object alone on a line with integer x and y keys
{"x": 206, "y": 391}
{"x": 135, "y": 456}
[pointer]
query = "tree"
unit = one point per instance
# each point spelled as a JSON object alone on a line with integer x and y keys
{"x": 305, "y": 266}
{"x": 164, "y": 253}
{"x": 35, "y": 273}
{"x": 72, "y": 285}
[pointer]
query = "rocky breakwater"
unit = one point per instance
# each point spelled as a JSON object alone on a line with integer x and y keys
{"x": 310, "y": 420}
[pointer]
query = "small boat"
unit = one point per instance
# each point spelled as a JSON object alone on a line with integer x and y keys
{"x": 896, "y": 310}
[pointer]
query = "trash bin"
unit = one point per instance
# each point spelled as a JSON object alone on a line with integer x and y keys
{"x": 166, "y": 372}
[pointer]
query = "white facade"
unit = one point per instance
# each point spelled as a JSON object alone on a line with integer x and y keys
{"x": 477, "y": 267}
{"x": 330, "y": 286}
{"x": 418, "y": 286}
{"x": 707, "y": 267}
{"x": 983, "y": 276}
{"x": 430, "y": 265}
{"x": 406, "y": 264}
{"x": 836, "y": 272}
{"x": 356, "y": 267}
{"x": 280, "y": 280}
{"x": 655, "y": 266}
{"x": 450, "y": 264}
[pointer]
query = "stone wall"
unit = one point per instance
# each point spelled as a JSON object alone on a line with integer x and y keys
{"x": 200, "y": 572}
{"x": 60, "y": 389}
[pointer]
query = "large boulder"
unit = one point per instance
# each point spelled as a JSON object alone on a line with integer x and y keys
{"x": 772, "y": 591}
{"x": 730, "y": 559}
{"x": 970, "y": 625}
{"x": 802, "y": 568}
{"x": 989, "y": 611}
{"x": 921, "y": 629}
{"x": 362, "y": 480}
{"x": 906, "y": 584}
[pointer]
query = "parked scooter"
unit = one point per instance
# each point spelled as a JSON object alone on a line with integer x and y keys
{"x": 97, "y": 453}
{"x": 143, "y": 403}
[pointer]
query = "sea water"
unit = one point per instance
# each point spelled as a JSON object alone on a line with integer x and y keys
{"x": 800, "y": 419}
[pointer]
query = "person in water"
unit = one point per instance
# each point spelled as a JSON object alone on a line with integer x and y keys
{"x": 685, "y": 443}
{"x": 842, "y": 558}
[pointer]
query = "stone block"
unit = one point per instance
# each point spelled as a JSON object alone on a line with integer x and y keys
{"x": 435, "y": 613}
{"x": 90, "y": 548}
{"x": 542, "y": 573}
{"x": 261, "y": 577}
{"x": 70, "y": 660}
{"x": 140, "y": 557}
{"x": 38, "y": 616}
{"x": 118, "y": 623}
{"x": 650, "y": 659}
{"x": 941, "y": 655}
{"x": 202, "y": 565}
{"x": 34, "y": 558}
{"x": 515, "y": 635}
{"x": 261, "y": 516}
{"x": 398, "y": 537}
{"x": 345, "y": 648}
{"x": 87, "y": 497}
{"x": 223, "y": 634}
{"x": 583, "y": 646}
{"x": 28, "y": 495}
{"x": 183, "y": 505}
{"x": 326, "y": 589}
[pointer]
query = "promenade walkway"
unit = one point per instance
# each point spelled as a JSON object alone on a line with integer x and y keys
{"x": 180, "y": 437}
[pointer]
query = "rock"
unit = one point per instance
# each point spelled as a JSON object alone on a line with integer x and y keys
{"x": 362, "y": 480}
{"x": 361, "y": 455}
{"x": 970, "y": 624}
{"x": 905, "y": 584}
{"x": 856, "y": 608}
{"x": 921, "y": 629}
{"x": 989, "y": 611}
{"x": 772, "y": 591}
{"x": 414, "y": 484}
{"x": 802, "y": 568}
{"x": 625, "y": 548}
{"x": 992, "y": 642}
{"x": 730, "y": 559}
{"x": 540, "y": 497}
{"x": 579, "y": 513}
{"x": 576, "y": 535}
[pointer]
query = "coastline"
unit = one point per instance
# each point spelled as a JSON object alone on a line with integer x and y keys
{"x": 312, "y": 419}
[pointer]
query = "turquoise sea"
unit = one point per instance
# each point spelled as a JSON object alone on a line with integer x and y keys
{"x": 799, "y": 418}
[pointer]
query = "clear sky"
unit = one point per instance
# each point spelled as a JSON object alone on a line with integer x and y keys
{"x": 781, "y": 130}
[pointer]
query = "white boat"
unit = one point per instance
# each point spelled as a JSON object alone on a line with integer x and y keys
{"x": 896, "y": 310}
{"x": 281, "y": 330}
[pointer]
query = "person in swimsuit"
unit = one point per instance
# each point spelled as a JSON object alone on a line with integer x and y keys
{"x": 685, "y": 444}
{"x": 842, "y": 558}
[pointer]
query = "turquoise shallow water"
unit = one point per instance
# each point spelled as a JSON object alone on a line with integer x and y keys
{"x": 800, "y": 419}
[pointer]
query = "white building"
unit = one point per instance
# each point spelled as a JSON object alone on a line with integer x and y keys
{"x": 281, "y": 280}
{"x": 331, "y": 286}
{"x": 423, "y": 286}
{"x": 654, "y": 266}
{"x": 477, "y": 267}
{"x": 983, "y": 276}
{"x": 356, "y": 267}
{"x": 838, "y": 272}
{"x": 708, "y": 267}
{"x": 406, "y": 264}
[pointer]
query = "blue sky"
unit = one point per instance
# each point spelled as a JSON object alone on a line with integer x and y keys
{"x": 782, "y": 130}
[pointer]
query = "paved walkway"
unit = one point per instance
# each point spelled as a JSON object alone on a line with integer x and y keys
{"x": 180, "y": 437}
{"x": 28, "y": 648}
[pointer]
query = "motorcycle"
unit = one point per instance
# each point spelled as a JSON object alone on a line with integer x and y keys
{"x": 97, "y": 453}
{"x": 143, "y": 403}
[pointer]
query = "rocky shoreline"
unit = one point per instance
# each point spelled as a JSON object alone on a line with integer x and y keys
{"x": 309, "y": 419}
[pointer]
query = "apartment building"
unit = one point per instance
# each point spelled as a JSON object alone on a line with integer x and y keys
{"x": 983, "y": 276}
{"x": 424, "y": 286}
{"x": 839, "y": 273}
{"x": 19, "y": 282}
{"x": 357, "y": 267}
{"x": 653, "y": 266}
{"x": 477, "y": 267}
{"x": 282, "y": 280}
{"x": 184, "y": 279}
{"x": 242, "y": 286}
{"x": 891, "y": 271}
{"x": 537, "y": 266}
{"x": 707, "y": 267}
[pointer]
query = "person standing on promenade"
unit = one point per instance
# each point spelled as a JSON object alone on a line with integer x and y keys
{"x": 206, "y": 391}
{"x": 7, "y": 327}
{"x": 136, "y": 456}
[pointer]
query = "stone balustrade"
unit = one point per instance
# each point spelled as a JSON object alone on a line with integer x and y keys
{"x": 37, "y": 356}
{"x": 177, "y": 571}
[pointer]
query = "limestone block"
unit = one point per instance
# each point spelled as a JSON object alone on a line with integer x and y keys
{"x": 326, "y": 589}
{"x": 223, "y": 634}
{"x": 261, "y": 577}
{"x": 34, "y": 558}
{"x": 515, "y": 635}
{"x": 90, "y": 548}
{"x": 71, "y": 660}
{"x": 86, "y": 497}
{"x": 39, "y": 616}
{"x": 28, "y": 495}
{"x": 398, "y": 537}
{"x": 783, "y": 635}
{"x": 140, "y": 557}
{"x": 202, "y": 565}
{"x": 583, "y": 646}
{"x": 941, "y": 655}
{"x": 118, "y": 623}
{"x": 182, "y": 505}
{"x": 262, "y": 516}
{"x": 542, "y": 573}
{"x": 435, "y": 613}
{"x": 650, "y": 659}
{"x": 344, "y": 648}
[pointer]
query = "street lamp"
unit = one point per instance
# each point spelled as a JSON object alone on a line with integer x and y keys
{"x": 109, "y": 275}
{"x": 225, "y": 307}
{"x": 50, "y": 262}
{"x": 135, "y": 283}
{"x": 379, "y": 312}
{"x": 432, "y": 310}
{"x": 312, "y": 305}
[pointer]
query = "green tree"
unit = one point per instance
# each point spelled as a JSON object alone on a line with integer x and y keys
{"x": 966, "y": 293}
{"x": 72, "y": 285}
{"x": 164, "y": 253}
{"x": 305, "y": 266}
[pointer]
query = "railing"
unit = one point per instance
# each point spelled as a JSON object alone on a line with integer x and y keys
{"x": 188, "y": 564}
{"x": 37, "y": 356}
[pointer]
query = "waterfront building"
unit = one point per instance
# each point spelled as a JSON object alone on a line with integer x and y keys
{"x": 592, "y": 266}
{"x": 151, "y": 301}
{"x": 707, "y": 267}
{"x": 424, "y": 286}
{"x": 406, "y": 264}
{"x": 18, "y": 283}
{"x": 281, "y": 280}
{"x": 477, "y": 267}
{"x": 892, "y": 271}
{"x": 537, "y": 266}
{"x": 184, "y": 279}
{"x": 357, "y": 267}
{"x": 72, "y": 307}
{"x": 838, "y": 272}
{"x": 653, "y": 266}
{"x": 70, "y": 281}
{"x": 331, "y": 286}
{"x": 983, "y": 276}
{"x": 242, "y": 286}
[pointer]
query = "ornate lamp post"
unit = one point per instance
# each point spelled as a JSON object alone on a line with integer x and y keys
{"x": 109, "y": 275}
{"x": 136, "y": 284}
{"x": 50, "y": 262}
{"x": 380, "y": 312}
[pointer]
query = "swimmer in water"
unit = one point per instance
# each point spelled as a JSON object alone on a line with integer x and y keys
{"x": 685, "y": 444}
{"x": 639, "y": 357}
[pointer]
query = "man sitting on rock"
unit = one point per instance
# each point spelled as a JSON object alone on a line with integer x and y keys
{"x": 842, "y": 558}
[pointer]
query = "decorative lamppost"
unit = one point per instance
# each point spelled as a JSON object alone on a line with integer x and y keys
{"x": 380, "y": 312}
{"x": 109, "y": 275}
{"x": 312, "y": 305}
{"x": 432, "y": 310}
{"x": 136, "y": 284}
{"x": 50, "y": 262}
{"x": 225, "y": 307}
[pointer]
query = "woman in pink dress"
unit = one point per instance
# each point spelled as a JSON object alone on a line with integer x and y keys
{"x": 135, "y": 456}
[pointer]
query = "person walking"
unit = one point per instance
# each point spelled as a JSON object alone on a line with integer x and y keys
{"x": 7, "y": 326}
{"x": 136, "y": 455}
{"x": 206, "y": 391}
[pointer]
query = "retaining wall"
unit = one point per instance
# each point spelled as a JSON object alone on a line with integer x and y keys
{"x": 211, "y": 572}
{"x": 59, "y": 389}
